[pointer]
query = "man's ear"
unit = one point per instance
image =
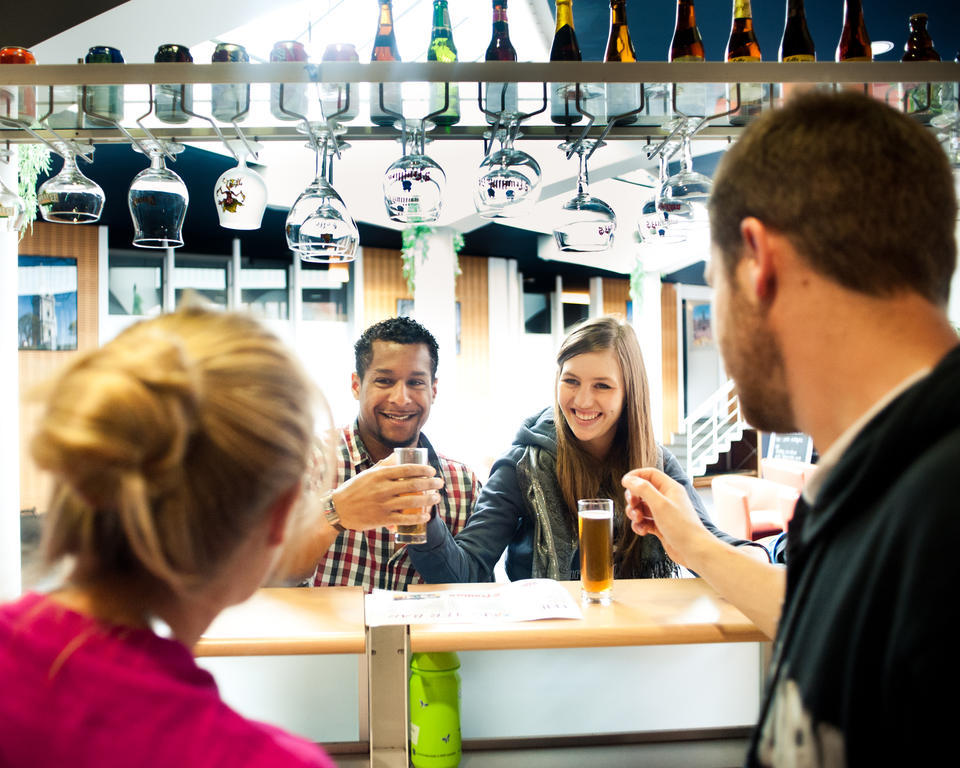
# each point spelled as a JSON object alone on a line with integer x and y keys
{"x": 434, "y": 388}
{"x": 355, "y": 385}
{"x": 758, "y": 256}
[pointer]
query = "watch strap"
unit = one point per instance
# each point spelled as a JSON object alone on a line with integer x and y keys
{"x": 330, "y": 512}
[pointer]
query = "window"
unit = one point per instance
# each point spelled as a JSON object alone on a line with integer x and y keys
{"x": 325, "y": 293}
{"x": 536, "y": 312}
{"x": 135, "y": 284}
{"x": 264, "y": 291}
{"x": 207, "y": 277}
{"x": 47, "y": 302}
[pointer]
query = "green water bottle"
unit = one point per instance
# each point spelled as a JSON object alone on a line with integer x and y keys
{"x": 434, "y": 710}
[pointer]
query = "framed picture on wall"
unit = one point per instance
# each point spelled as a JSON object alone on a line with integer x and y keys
{"x": 702, "y": 326}
{"x": 47, "y": 303}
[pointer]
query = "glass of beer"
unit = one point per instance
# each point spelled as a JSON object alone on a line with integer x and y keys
{"x": 596, "y": 549}
{"x": 416, "y": 533}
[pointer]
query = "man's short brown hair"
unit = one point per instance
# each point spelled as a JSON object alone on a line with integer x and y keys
{"x": 863, "y": 192}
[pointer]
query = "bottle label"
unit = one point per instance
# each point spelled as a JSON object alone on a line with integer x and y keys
{"x": 744, "y": 58}
{"x": 688, "y": 58}
{"x": 799, "y": 57}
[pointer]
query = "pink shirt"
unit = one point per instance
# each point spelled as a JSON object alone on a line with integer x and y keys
{"x": 77, "y": 692}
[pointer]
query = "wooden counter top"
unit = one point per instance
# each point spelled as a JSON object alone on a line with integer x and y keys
{"x": 329, "y": 620}
{"x": 280, "y": 621}
{"x": 643, "y": 612}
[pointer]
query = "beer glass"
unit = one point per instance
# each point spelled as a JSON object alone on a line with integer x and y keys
{"x": 416, "y": 533}
{"x": 595, "y": 517}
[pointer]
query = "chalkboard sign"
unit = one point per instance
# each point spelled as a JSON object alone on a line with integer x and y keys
{"x": 795, "y": 446}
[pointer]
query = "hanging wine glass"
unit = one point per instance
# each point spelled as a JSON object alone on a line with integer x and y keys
{"x": 685, "y": 194}
{"x": 509, "y": 181}
{"x": 70, "y": 197}
{"x": 13, "y": 211}
{"x": 158, "y": 201}
{"x": 589, "y": 224}
{"x": 319, "y": 227}
{"x": 653, "y": 225}
{"x": 413, "y": 185}
{"x": 240, "y": 193}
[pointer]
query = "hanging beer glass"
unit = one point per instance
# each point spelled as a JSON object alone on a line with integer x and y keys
{"x": 589, "y": 224}
{"x": 319, "y": 228}
{"x": 413, "y": 185}
{"x": 158, "y": 201}
{"x": 70, "y": 197}
{"x": 509, "y": 181}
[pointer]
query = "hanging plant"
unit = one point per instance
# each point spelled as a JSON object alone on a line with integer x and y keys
{"x": 32, "y": 160}
{"x": 416, "y": 246}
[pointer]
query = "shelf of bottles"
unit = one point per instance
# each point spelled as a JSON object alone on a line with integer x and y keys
{"x": 151, "y": 96}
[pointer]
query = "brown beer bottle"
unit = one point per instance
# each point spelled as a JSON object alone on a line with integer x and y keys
{"x": 743, "y": 46}
{"x": 385, "y": 49}
{"x": 500, "y": 95}
{"x": 854, "y": 42}
{"x": 563, "y": 96}
{"x": 796, "y": 44}
{"x": 621, "y": 97}
{"x": 919, "y": 46}
{"x": 687, "y": 44}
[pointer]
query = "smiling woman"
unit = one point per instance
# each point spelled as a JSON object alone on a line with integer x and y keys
{"x": 598, "y": 429}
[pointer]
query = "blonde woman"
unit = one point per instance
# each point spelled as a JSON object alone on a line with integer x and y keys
{"x": 177, "y": 451}
{"x": 598, "y": 429}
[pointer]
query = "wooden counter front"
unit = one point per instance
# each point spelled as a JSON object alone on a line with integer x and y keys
{"x": 281, "y": 621}
{"x": 643, "y": 612}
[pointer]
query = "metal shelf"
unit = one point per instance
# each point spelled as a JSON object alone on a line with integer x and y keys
{"x": 260, "y": 126}
{"x": 517, "y": 72}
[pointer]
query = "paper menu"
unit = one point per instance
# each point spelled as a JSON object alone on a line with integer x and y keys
{"x": 525, "y": 600}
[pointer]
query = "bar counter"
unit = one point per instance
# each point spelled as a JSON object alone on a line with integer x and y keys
{"x": 330, "y": 620}
{"x": 279, "y": 621}
{"x": 643, "y": 612}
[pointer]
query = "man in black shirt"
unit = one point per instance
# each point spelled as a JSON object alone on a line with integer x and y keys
{"x": 832, "y": 223}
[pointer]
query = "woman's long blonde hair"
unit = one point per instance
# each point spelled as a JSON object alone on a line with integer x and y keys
{"x": 168, "y": 445}
{"x": 579, "y": 474}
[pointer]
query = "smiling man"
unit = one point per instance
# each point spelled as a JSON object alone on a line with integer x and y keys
{"x": 395, "y": 385}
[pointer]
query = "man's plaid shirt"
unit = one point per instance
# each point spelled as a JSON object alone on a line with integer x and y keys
{"x": 371, "y": 559}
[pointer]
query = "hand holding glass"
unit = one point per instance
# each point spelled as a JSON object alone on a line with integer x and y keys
{"x": 416, "y": 533}
{"x": 595, "y": 517}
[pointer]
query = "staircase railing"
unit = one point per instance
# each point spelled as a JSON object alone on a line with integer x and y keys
{"x": 711, "y": 428}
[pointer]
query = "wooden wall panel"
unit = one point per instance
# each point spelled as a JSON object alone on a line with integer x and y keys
{"x": 616, "y": 294}
{"x": 383, "y": 284}
{"x": 670, "y": 360}
{"x": 81, "y": 243}
{"x": 473, "y": 363}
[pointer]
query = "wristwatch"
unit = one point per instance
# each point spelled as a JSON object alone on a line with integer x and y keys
{"x": 330, "y": 511}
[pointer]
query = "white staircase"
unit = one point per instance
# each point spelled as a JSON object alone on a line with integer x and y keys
{"x": 709, "y": 431}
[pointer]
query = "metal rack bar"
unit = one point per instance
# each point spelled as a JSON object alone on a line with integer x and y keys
{"x": 487, "y": 71}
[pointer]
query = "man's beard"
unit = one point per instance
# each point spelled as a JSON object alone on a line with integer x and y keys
{"x": 753, "y": 358}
